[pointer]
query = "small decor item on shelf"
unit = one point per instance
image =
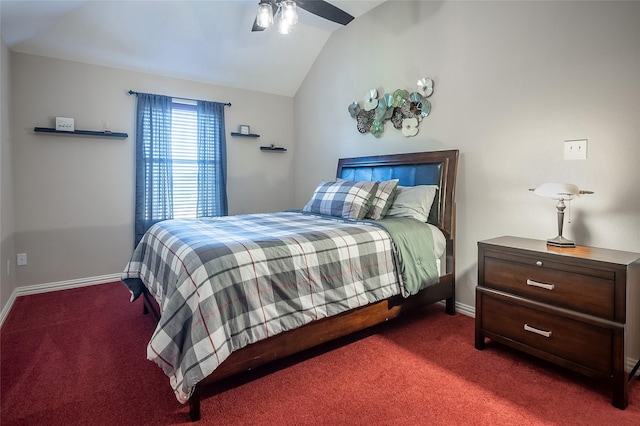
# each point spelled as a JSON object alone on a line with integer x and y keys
{"x": 405, "y": 110}
{"x": 65, "y": 124}
{"x": 244, "y": 129}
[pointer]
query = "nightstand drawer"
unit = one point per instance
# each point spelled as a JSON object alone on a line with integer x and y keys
{"x": 547, "y": 282}
{"x": 554, "y": 334}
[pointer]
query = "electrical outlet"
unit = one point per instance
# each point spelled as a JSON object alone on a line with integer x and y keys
{"x": 575, "y": 150}
{"x": 21, "y": 259}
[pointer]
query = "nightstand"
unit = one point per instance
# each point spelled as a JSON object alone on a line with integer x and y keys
{"x": 575, "y": 307}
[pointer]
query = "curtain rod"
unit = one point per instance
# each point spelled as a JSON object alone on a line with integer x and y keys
{"x": 131, "y": 92}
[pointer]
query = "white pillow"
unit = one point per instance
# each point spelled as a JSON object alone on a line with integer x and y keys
{"x": 413, "y": 201}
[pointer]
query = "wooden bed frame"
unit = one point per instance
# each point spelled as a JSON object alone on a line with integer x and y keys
{"x": 436, "y": 167}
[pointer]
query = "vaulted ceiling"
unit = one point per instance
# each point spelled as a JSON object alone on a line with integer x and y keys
{"x": 207, "y": 41}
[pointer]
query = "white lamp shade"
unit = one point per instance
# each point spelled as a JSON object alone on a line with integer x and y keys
{"x": 558, "y": 191}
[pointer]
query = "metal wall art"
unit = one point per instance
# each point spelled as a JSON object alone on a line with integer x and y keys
{"x": 405, "y": 110}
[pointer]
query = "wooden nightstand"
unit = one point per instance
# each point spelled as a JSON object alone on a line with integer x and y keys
{"x": 569, "y": 306}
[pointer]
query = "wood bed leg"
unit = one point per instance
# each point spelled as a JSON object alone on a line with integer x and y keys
{"x": 194, "y": 405}
{"x": 450, "y": 306}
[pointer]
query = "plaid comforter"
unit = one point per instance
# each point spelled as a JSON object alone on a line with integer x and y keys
{"x": 223, "y": 283}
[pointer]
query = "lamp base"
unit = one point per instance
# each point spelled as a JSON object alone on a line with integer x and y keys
{"x": 560, "y": 241}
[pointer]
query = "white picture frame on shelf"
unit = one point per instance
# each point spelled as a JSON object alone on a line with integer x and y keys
{"x": 65, "y": 124}
{"x": 244, "y": 129}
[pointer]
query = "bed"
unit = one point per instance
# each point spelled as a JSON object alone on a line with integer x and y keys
{"x": 347, "y": 272}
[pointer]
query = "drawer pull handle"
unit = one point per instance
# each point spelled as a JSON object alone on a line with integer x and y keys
{"x": 539, "y": 263}
{"x": 541, "y": 285}
{"x": 544, "y": 333}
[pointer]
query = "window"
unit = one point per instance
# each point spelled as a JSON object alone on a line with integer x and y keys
{"x": 184, "y": 148}
{"x": 180, "y": 160}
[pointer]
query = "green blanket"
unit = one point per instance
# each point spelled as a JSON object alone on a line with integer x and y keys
{"x": 413, "y": 241}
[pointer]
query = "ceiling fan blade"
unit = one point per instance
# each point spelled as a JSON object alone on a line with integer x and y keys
{"x": 325, "y": 10}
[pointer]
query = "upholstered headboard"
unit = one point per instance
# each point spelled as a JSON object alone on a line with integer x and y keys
{"x": 419, "y": 168}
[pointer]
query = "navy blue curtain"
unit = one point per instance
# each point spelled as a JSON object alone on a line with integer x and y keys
{"x": 154, "y": 181}
{"x": 212, "y": 160}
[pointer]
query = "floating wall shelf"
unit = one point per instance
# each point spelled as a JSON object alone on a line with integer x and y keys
{"x": 250, "y": 135}
{"x": 272, "y": 148}
{"x": 81, "y": 132}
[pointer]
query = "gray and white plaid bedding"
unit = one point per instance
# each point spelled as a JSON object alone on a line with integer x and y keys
{"x": 223, "y": 283}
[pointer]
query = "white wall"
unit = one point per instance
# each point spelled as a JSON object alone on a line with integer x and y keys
{"x": 7, "y": 228}
{"x": 513, "y": 80}
{"x": 74, "y": 195}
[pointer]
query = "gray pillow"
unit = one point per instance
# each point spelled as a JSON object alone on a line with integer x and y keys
{"x": 383, "y": 199}
{"x": 413, "y": 201}
{"x": 346, "y": 199}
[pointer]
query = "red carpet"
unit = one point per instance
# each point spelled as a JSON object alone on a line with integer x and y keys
{"x": 79, "y": 357}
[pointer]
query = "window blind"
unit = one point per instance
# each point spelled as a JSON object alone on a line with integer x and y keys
{"x": 185, "y": 166}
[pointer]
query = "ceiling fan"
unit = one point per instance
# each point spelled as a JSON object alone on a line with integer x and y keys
{"x": 285, "y": 15}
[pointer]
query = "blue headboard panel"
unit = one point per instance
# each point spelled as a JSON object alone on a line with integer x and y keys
{"x": 409, "y": 175}
{"x": 420, "y": 168}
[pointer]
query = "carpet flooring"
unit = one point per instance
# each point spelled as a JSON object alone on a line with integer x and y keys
{"x": 79, "y": 357}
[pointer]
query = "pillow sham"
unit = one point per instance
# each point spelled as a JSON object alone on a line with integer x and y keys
{"x": 413, "y": 201}
{"x": 383, "y": 199}
{"x": 344, "y": 198}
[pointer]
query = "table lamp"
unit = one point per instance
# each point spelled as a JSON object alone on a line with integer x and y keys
{"x": 560, "y": 192}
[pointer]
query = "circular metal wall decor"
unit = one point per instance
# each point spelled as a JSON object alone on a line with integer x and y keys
{"x": 405, "y": 110}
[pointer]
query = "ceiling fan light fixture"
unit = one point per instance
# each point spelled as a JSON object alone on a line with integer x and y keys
{"x": 264, "y": 17}
{"x": 289, "y": 12}
{"x": 284, "y": 27}
{"x": 284, "y": 13}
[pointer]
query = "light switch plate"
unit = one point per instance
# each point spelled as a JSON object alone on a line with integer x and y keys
{"x": 575, "y": 149}
{"x": 65, "y": 124}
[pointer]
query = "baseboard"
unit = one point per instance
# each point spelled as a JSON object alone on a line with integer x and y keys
{"x": 65, "y": 285}
{"x": 54, "y": 286}
{"x": 463, "y": 309}
{"x": 6, "y": 308}
{"x": 467, "y": 310}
